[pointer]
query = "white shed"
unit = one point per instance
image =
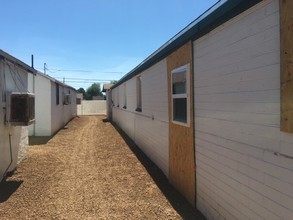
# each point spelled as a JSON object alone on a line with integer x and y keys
{"x": 13, "y": 139}
{"x": 55, "y": 105}
{"x": 213, "y": 108}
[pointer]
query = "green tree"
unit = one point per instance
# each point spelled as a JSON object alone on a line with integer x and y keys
{"x": 81, "y": 90}
{"x": 113, "y": 81}
{"x": 93, "y": 90}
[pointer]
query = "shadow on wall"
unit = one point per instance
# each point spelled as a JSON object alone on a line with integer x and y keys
{"x": 7, "y": 188}
{"x": 179, "y": 203}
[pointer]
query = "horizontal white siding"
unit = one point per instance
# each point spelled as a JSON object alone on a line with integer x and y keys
{"x": 155, "y": 91}
{"x": 114, "y": 97}
{"x": 125, "y": 120}
{"x": 61, "y": 114}
{"x": 131, "y": 94}
{"x": 42, "y": 90}
{"x": 240, "y": 174}
{"x": 149, "y": 128}
{"x": 121, "y": 95}
{"x": 153, "y": 139}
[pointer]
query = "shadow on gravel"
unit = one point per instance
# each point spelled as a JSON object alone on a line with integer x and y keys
{"x": 7, "y": 188}
{"x": 179, "y": 203}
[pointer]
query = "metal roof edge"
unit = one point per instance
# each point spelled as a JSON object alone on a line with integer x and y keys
{"x": 16, "y": 61}
{"x": 216, "y": 15}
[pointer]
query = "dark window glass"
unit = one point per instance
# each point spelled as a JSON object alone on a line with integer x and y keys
{"x": 57, "y": 94}
{"x": 32, "y": 108}
{"x": 180, "y": 110}
{"x": 138, "y": 93}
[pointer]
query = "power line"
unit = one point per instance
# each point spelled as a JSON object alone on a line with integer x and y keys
{"x": 70, "y": 81}
{"x": 53, "y": 70}
{"x": 84, "y": 79}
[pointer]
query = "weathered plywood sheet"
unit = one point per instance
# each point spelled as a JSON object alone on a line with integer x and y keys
{"x": 181, "y": 142}
{"x": 286, "y": 22}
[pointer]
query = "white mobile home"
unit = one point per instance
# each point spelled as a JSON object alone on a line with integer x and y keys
{"x": 15, "y": 112}
{"x": 55, "y": 105}
{"x": 213, "y": 109}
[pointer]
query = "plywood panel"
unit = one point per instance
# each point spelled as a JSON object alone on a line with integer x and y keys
{"x": 286, "y": 21}
{"x": 181, "y": 151}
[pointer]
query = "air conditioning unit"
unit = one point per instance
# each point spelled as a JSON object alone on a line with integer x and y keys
{"x": 22, "y": 108}
{"x": 67, "y": 99}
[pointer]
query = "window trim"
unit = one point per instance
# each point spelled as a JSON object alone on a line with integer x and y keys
{"x": 185, "y": 68}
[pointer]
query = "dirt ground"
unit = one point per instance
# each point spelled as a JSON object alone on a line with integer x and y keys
{"x": 90, "y": 170}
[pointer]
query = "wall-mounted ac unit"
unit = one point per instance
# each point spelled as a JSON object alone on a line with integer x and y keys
{"x": 22, "y": 108}
{"x": 67, "y": 99}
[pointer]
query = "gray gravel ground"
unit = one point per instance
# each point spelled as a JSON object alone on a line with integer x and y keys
{"x": 90, "y": 170}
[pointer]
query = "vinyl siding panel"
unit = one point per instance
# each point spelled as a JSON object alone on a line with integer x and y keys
{"x": 155, "y": 91}
{"x": 42, "y": 124}
{"x": 131, "y": 94}
{"x": 121, "y": 96}
{"x": 149, "y": 128}
{"x": 125, "y": 120}
{"x": 241, "y": 173}
{"x": 61, "y": 114}
{"x": 153, "y": 139}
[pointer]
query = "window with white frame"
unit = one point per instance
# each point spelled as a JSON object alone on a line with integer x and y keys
{"x": 180, "y": 95}
{"x": 138, "y": 94}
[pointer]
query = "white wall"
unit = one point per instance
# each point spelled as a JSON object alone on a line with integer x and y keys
{"x": 239, "y": 173}
{"x": 41, "y": 87}
{"x": 92, "y": 107}
{"x": 12, "y": 79}
{"x": 61, "y": 114}
{"x": 149, "y": 128}
{"x": 155, "y": 91}
{"x": 121, "y": 95}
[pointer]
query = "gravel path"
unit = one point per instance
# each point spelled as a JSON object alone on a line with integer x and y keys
{"x": 90, "y": 171}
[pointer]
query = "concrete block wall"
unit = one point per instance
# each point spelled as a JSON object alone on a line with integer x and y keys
{"x": 24, "y": 146}
{"x": 92, "y": 107}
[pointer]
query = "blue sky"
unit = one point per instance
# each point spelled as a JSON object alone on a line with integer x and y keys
{"x": 92, "y": 39}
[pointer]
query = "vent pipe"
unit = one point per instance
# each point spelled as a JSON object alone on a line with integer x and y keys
{"x": 32, "y": 61}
